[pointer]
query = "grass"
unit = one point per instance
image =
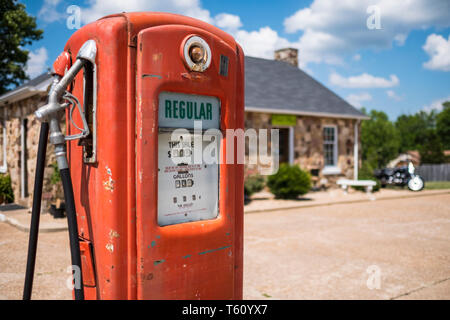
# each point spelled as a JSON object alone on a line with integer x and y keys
{"x": 434, "y": 185}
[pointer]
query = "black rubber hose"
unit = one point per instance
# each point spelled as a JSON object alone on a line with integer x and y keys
{"x": 73, "y": 232}
{"x": 35, "y": 211}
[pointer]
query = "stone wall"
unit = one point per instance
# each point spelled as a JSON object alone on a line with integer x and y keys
{"x": 308, "y": 142}
{"x": 308, "y": 145}
{"x": 15, "y": 112}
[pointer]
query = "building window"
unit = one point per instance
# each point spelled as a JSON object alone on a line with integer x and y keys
{"x": 330, "y": 149}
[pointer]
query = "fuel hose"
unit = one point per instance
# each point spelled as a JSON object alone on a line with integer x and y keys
{"x": 35, "y": 211}
{"x": 35, "y": 215}
{"x": 73, "y": 232}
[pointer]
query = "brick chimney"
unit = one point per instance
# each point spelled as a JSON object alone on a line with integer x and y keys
{"x": 289, "y": 55}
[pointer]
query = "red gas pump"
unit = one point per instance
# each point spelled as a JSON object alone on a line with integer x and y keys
{"x": 147, "y": 221}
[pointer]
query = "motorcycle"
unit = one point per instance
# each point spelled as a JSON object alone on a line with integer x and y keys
{"x": 400, "y": 176}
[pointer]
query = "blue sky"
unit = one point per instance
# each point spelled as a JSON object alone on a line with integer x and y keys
{"x": 381, "y": 54}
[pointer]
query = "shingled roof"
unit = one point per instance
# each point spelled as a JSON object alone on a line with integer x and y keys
{"x": 38, "y": 85}
{"x": 279, "y": 87}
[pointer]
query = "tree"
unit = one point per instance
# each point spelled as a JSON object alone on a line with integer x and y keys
{"x": 17, "y": 30}
{"x": 379, "y": 140}
{"x": 443, "y": 125}
{"x": 411, "y": 128}
{"x": 432, "y": 150}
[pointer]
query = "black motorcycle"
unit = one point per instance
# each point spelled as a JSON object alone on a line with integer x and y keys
{"x": 400, "y": 176}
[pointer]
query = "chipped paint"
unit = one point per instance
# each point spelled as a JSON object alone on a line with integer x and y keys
{"x": 153, "y": 243}
{"x": 213, "y": 250}
{"x": 187, "y": 256}
{"x": 109, "y": 184}
{"x": 156, "y": 262}
{"x": 157, "y": 56}
{"x": 146, "y": 276}
{"x": 113, "y": 234}
{"x": 152, "y": 76}
{"x": 110, "y": 247}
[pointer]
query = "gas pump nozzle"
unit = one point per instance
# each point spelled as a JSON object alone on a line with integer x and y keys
{"x": 51, "y": 112}
{"x": 49, "y": 115}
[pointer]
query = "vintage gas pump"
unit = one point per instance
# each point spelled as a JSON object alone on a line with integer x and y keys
{"x": 152, "y": 217}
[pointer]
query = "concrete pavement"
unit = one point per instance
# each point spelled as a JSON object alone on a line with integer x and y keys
{"x": 335, "y": 252}
{"x": 325, "y": 252}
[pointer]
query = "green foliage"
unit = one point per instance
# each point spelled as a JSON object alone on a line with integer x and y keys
{"x": 366, "y": 173}
{"x": 253, "y": 184}
{"x": 431, "y": 150}
{"x": 17, "y": 30}
{"x": 411, "y": 128}
{"x": 6, "y": 191}
{"x": 428, "y": 132}
{"x": 379, "y": 139}
{"x": 443, "y": 125}
{"x": 289, "y": 182}
{"x": 55, "y": 177}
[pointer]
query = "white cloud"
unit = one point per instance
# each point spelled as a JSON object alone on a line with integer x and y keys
{"x": 101, "y": 8}
{"x": 49, "y": 12}
{"x": 364, "y": 80}
{"x": 344, "y": 25}
{"x": 400, "y": 39}
{"x": 228, "y": 22}
{"x": 261, "y": 43}
{"x": 37, "y": 62}
{"x": 391, "y": 94}
{"x": 357, "y": 57}
{"x": 356, "y": 99}
{"x": 435, "y": 105}
{"x": 438, "y": 48}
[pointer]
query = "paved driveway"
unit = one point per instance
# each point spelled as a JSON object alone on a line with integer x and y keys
{"x": 308, "y": 253}
{"x": 398, "y": 248}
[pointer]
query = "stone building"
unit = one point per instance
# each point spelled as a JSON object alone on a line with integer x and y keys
{"x": 317, "y": 129}
{"x": 19, "y": 140}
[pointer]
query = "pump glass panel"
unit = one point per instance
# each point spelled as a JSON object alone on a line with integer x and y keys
{"x": 188, "y": 157}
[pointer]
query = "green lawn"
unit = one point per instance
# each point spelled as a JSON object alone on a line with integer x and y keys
{"x": 432, "y": 185}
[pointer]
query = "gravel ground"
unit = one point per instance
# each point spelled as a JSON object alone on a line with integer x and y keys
{"x": 306, "y": 253}
{"x": 53, "y": 259}
{"x": 334, "y": 252}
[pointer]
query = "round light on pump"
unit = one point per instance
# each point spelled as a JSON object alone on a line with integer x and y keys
{"x": 197, "y": 53}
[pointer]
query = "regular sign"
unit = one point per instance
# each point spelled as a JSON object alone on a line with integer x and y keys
{"x": 179, "y": 110}
{"x": 187, "y": 191}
